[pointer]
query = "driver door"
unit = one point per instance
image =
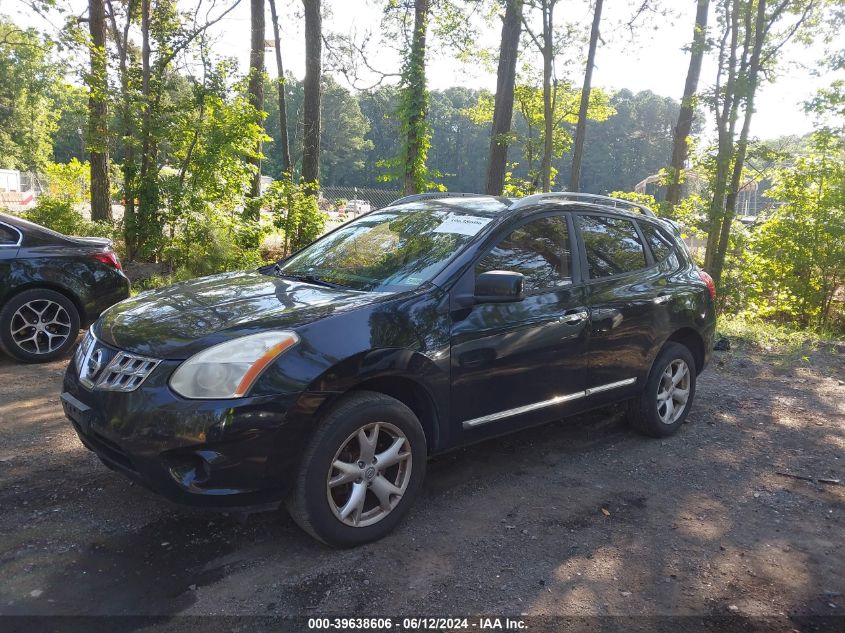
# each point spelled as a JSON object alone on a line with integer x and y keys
{"x": 524, "y": 362}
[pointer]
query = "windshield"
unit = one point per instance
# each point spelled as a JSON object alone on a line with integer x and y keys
{"x": 390, "y": 250}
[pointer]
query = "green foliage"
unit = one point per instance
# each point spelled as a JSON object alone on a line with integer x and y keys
{"x": 69, "y": 181}
{"x": 530, "y": 131}
{"x": 210, "y": 241}
{"x": 60, "y": 215}
{"x": 783, "y": 341}
{"x": 795, "y": 261}
{"x": 28, "y": 76}
{"x": 295, "y": 213}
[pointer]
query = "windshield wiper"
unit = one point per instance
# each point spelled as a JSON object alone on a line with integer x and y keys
{"x": 311, "y": 279}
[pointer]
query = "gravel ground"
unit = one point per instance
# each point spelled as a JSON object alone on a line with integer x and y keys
{"x": 577, "y": 518}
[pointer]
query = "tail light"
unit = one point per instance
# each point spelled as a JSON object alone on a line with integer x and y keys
{"x": 711, "y": 286}
{"x": 109, "y": 258}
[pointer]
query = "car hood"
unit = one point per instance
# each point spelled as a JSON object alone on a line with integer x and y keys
{"x": 180, "y": 320}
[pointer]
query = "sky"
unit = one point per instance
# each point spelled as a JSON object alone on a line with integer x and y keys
{"x": 652, "y": 59}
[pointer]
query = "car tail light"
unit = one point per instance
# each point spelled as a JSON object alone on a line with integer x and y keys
{"x": 109, "y": 258}
{"x": 711, "y": 286}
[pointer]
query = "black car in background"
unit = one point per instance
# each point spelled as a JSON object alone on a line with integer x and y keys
{"x": 50, "y": 286}
{"x": 328, "y": 379}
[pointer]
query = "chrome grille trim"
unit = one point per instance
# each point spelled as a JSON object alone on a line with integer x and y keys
{"x": 126, "y": 372}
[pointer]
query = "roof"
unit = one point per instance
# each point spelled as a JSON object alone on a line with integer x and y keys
{"x": 485, "y": 204}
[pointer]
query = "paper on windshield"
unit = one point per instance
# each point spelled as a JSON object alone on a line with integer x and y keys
{"x": 462, "y": 224}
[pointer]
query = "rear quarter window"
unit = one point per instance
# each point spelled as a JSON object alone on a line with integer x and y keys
{"x": 661, "y": 244}
{"x": 8, "y": 236}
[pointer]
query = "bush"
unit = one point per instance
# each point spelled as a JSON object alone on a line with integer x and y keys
{"x": 211, "y": 242}
{"x": 60, "y": 215}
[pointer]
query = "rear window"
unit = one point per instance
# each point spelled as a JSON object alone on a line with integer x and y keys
{"x": 612, "y": 245}
{"x": 661, "y": 244}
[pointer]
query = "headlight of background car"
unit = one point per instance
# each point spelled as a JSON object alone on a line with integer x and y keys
{"x": 229, "y": 369}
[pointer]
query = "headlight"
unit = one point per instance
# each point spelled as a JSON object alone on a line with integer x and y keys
{"x": 229, "y": 369}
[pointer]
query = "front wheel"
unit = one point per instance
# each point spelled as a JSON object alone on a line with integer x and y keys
{"x": 667, "y": 398}
{"x": 361, "y": 471}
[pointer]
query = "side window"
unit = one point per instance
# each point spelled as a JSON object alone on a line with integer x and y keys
{"x": 659, "y": 242}
{"x": 612, "y": 245}
{"x": 8, "y": 237}
{"x": 539, "y": 250}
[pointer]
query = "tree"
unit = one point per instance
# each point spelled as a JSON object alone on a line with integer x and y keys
{"x": 749, "y": 43}
{"x": 531, "y": 126}
{"x": 546, "y": 45}
{"x": 27, "y": 113}
{"x": 311, "y": 98}
{"x": 580, "y": 130}
{"x": 98, "y": 113}
{"x": 256, "y": 80}
{"x": 503, "y": 109}
{"x": 796, "y": 259}
{"x": 284, "y": 143}
{"x": 631, "y": 144}
{"x": 680, "y": 150}
{"x": 413, "y": 106}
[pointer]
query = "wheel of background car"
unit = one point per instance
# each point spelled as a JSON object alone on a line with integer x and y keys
{"x": 361, "y": 470}
{"x": 38, "y": 325}
{"x": 668, "y": 395}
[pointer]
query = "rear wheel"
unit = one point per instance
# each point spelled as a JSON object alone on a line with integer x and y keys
{"x": 664, "y": 404}
{"x": 38, "y": 325}
{"x": 361, "y": 471}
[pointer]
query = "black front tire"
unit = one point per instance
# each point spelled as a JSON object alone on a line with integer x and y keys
{"x": 310, "y": 504}
{"x": 39, "y": 297}
{"x": 646, "y": 413}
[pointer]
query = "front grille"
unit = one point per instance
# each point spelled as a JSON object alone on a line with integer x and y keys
{"x": 102, "y": 367}
{"x": 126, "y": 372}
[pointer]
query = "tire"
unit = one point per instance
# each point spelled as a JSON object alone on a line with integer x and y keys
{"x": 656, "y": 411}
{"x": 359, "y": 506}
{"x": 38, "y": 325}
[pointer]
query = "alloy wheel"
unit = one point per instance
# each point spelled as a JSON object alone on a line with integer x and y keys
{"x": 673, "y": 391}
{"x": 40, "y": 326}
{"x": 369, "y": 474}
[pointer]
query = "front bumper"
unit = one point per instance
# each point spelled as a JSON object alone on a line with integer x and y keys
{"x": 218, "y": 453}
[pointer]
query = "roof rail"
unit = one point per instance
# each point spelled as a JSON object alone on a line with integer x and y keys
{"x": 433, "y": 195}
{"x": 583, "y": 197}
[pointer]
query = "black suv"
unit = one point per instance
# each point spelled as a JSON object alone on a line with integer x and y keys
{"x": 327, "y": 379}
{"x": 50, "y": 286}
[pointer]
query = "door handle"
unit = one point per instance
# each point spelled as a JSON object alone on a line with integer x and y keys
{"x": 662, "y": 298}
{"x": 575, "y": 317}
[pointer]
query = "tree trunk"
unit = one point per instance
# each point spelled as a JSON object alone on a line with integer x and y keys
{"x": 718, "y": 261}
{"x": 503, "y": 109}
{"x": 581, "y": 127}
{"x": 726, "y": 125}
{"x": 256, "y": 81}
{"x": 548, "y": 110}
{"x": 284, "y": 143}
{"x": 311, "y": 97}
{"x": 687, "y": 111}
{"x": 415, "y": 103}
{"x": 98, "y": 114}
{"x": 121, "y": 38}
{"x": 146, "y": 197}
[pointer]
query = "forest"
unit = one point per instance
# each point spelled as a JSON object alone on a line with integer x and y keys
{"x": 129, "y": 123}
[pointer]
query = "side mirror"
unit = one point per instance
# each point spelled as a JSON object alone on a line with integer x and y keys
{"x": 499, "y": 286}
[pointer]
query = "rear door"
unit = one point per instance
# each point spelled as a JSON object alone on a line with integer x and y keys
{"x": 625, "y": 311}
{"x": 520, "y": 363}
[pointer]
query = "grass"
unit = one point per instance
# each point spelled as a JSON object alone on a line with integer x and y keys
{"x": 774, "y": 339}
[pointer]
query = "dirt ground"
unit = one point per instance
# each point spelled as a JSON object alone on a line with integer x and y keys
{"x": 578, "y": 518}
